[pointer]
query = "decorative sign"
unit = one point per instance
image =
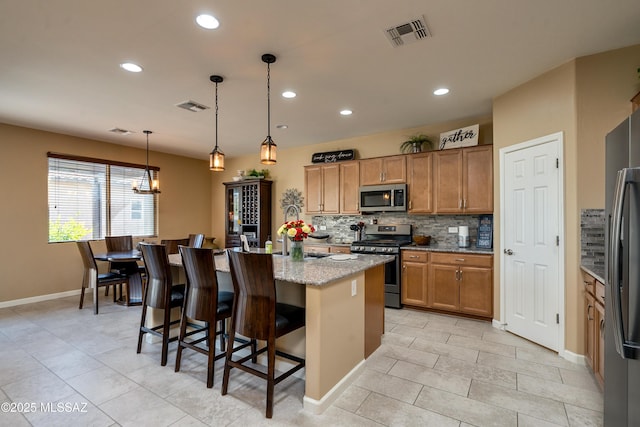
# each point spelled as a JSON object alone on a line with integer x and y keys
{"x": 463, "y": 137}
{"x": 485, "y": 232}
{"x": 333, "y": 156}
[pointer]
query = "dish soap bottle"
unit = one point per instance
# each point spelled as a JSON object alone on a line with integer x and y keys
{"x": 268, "y": 245}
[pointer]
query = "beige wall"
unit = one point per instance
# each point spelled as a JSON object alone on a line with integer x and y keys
{"x": 29, "y": 266}
{"x": 289, "y": 171}
{"x": 584, "y": 99}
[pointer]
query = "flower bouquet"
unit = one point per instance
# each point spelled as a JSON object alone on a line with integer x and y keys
{"x": 296, "y": 231}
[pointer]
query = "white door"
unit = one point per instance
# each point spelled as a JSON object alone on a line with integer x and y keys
{"x": 532, "y": 286}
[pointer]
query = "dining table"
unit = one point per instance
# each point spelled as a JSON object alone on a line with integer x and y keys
{"x": 129, "y": 261}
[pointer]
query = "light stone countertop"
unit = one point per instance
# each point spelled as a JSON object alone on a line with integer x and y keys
{"x": 596, "y": 272}
{"x": 448, "y": 248}
{"x": 312, "y": 271}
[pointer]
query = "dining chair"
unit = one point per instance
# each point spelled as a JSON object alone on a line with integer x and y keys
{"x": 172, "y": 244}
{"x": 257, "y": 315}
{"x": 159, "y": 293}
{"x": 119, "y": 244}
{"x": 203, "y": 302}
{"x": 196, "y": 240}
{"x": 93, "y": 279}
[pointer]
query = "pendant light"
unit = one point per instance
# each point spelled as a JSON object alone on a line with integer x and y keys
{"x": 268, "y": 147}
{"x": 152, "y": 186}
{"x": 216, "y": 157}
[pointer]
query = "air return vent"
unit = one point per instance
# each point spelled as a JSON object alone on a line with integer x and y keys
{"x": 120, "y": 131}
{"x": 192, "y": 106}
{"x": 408, "y": 32}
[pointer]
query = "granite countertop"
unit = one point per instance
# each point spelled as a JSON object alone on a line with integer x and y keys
{"x": 312, "y": 271}
{"x": 448, "y": 248}
{"x": 596, "y": 271}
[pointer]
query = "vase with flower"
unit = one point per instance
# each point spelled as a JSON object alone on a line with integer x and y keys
{"x": 296, "y": 231}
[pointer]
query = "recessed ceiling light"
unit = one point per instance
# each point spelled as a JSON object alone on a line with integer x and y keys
{"x": 441, "y": 91}
{"x": 130, "y": 66}
{"x": 207, "y": 21}
{"x": 282, "y": 126}
{"x": 289, "y": 94}
{"x": 346, "y": 112}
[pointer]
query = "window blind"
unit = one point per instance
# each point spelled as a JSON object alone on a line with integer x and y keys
{"x": 91, "y": 200}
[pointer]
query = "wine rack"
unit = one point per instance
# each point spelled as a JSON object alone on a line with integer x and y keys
{"x": 248, "y": 212}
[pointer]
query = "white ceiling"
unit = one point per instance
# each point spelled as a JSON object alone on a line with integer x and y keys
{"x": 59, "y": 64}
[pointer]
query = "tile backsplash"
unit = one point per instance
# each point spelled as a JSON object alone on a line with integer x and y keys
{"x": 435, "y": 226}
{"x": 592, "y": 245}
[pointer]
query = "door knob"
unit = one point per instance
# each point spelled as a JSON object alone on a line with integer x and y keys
{"x": 508, "y": 251}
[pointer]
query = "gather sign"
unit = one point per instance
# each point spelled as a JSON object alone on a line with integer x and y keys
{"x": 463, "y": 137}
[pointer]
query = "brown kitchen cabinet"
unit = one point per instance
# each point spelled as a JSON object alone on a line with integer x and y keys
{"x": 322, "y": 187}
{"x": 349, "y": 185}
{"x": 383, "y": 170}
{"x": 415, "y": 276}
{"x": 594, "y": 325}
{"x": 248, "y": 212}
{"x": 463, "y": 180}
{"x": 461, "y": 283}
{"x": 419, "y": 178}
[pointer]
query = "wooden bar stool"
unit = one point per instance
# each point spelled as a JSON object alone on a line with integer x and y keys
{"x": 205, "y": 303}
{"x": 258, "y": 316}
{"x": 160, "y": 293}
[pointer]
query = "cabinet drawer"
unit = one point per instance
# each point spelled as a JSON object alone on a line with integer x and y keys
{"x": 415, "y": 256}
{"x": 339, "y": 249}
{"x": 589, "y": 283}
{"x": 600, "y": 292}
{"x": 316, "y": 249}
{"x": 462, "y": 259}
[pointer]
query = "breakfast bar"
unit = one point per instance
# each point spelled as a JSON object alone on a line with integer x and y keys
{"x": 344, "y": 301}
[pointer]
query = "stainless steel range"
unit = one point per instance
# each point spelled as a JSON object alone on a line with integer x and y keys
{"x": 386, "y": 239}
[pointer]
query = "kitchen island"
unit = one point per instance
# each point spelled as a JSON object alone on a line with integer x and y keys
{"x": 344, "y": 301}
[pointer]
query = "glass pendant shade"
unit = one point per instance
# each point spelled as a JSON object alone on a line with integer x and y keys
{"x": 216, "y": 157}
{"x": 268, "y": 147}
{"x": 216, "y": 160}
{"x": 268, "y": 152}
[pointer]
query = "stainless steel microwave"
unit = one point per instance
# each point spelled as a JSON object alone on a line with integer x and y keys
{"x": 383, "y": 198}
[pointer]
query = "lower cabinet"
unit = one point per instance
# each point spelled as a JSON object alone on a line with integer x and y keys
{"x": 415, "y": 267}
{"x": 594, "y": 325}
{"x": 461, "y": 283}
{"x": 453, "y": 282}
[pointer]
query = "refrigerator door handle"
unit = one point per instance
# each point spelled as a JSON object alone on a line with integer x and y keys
{"x": 625, "y": 348}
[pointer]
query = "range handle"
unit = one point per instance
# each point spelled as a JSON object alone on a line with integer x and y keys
{"x": 624, "y": 347}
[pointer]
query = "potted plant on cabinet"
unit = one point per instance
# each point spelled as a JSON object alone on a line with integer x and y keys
{"x": 415, "y": 144}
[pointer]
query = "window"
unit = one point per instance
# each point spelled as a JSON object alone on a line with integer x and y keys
{"x": 92, "y": 198}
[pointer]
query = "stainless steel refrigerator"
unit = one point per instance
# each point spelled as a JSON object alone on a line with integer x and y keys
{"x": 622, "y": 275}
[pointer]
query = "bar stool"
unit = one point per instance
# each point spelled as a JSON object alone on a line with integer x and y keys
{"x": 160, "y": 293}
{"x": 258, "y": 316}
{"x": 205, "y": 303}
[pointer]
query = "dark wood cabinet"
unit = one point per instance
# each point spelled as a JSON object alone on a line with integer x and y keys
{"x": 248, "y": 212}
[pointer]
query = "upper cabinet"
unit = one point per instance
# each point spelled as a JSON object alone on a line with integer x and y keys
{"x": 322, "y": 184}
{"x": 463, "y": 180}
{"x": 383, "y": 170}
{"x": 419, "y": 178}
{"x": 349, "y": 184}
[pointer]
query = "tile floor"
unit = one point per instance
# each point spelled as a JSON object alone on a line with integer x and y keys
{"x": 432, "y": 370}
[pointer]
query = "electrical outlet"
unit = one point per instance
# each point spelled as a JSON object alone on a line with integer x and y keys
{"x": 323, "y": 227}
{"x": 453, "y": 229}
{"x": 354, "y": 288}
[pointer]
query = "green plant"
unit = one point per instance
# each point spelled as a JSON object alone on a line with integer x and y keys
{"x": 67, "y": 231}
{"x": 258, "y": 173}
{"x": 415, "y": 143}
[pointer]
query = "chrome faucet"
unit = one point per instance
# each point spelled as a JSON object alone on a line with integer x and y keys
{"x": 287, "y": 209}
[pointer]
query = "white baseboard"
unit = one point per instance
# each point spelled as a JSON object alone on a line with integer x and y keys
{"x": 39, "y": 298}
{"x": 578, "y": 359}
{"x": 498, "y": 325}
{"x": 318, "y": 406}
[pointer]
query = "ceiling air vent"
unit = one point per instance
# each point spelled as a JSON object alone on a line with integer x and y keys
{"x": 120, "y": 131}
{"x": 192, "y": 106}
{"x": 408, "y": 32}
